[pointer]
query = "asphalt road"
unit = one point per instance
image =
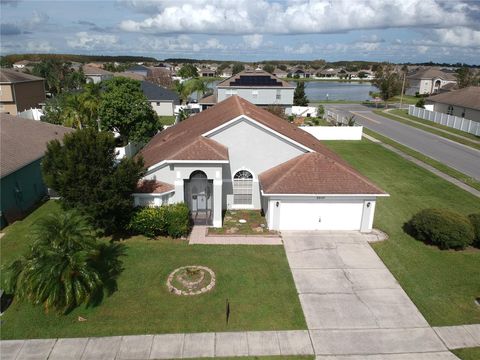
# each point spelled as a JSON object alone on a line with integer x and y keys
{"x": 460, "y": 157}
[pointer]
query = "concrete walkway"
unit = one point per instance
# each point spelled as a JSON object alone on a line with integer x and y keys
{"x": 352, "y": 303}
{"x": 199, "y": 236}
{"x": 169, "y": 346}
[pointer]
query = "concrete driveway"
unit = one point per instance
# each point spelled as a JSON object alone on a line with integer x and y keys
{"x": 352, "y": 303}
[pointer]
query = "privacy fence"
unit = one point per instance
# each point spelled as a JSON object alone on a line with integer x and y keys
{"x": 470, "y": 126}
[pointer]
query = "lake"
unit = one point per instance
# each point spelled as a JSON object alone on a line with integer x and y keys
{"x": 338, "y": 90}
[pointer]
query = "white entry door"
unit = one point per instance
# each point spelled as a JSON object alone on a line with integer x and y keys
{"x": 320, "y": 215}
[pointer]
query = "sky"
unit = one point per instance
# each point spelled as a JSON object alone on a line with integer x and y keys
{"x": 247, "y": 30}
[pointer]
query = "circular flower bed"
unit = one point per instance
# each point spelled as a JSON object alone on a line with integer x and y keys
{"x": 191, "y": 280}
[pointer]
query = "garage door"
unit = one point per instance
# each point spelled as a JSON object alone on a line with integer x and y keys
{"x": 320, "y": 215}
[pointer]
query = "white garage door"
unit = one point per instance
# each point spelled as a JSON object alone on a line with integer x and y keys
{"x": 321, "y": 215}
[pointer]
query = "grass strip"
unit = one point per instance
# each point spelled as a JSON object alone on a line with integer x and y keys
{"x": 448, "y": 136}
{"x": 470, "y": 181}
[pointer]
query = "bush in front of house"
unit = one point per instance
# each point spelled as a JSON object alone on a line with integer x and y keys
{"x": 475, "y": 220}
{"x": 444, "y": 228}
{"x": 167, "y": 220}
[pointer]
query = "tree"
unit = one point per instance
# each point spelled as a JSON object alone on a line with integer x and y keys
{"x": 282, "y": 67}
{"x": 467, "y": 77}
{"x": 84, "y": 172}
{"x": 269, "y": 68}
{"x": 58, "y": 76}
{"x": 5, "y": 62}
{"x": 237, "y": 67}
{"x": 388, "y": 81}
{"x": 188, "y": 71}
{"x": 299, "y": 96}
{"x": 125, "y": 110}
{"x": 66, "y": 265}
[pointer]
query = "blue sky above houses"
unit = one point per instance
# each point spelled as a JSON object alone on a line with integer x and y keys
{"x": 249, "y": 30}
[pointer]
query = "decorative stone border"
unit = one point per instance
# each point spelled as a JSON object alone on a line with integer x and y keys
{"x": 179, "y": 292}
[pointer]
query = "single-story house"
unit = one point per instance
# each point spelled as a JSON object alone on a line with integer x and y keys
{"x": 236, "y": 155}
{"x": 139, "y": 69}
{"x": 463, "y": 103}
{"x": 20, "y": 91}
{"x": 95, "y": 74}
{"x": 298, "y": 72}
{"x": 206, "y": 73}
{"x": 163, "y": 101}
{"x": 22, "y": 144}
{"x": 279, "y": 73}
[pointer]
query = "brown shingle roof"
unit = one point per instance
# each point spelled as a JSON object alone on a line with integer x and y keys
{"x": 468, "y": 97}
{"x": 23, "y": 141}
{"x": 431, "y": 73}
{"x": 230, "y": 80}
{"x": 207, "y": 100}
{"x": 92, "y": 70}
{"x": 153, "y": 187}
{"x": 315, "y": 173}
{"x": 172, "y": 141}
{"x": 9, "y": 76}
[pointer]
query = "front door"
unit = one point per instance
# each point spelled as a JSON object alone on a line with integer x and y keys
{"x": 198, "y": 196}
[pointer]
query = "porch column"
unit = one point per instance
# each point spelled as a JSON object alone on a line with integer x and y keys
{"x": 368, "y": 215}
{"x": 217, "y": 202}
{"x": 179, "y": 196}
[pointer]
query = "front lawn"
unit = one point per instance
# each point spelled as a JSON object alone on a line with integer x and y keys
{"x": 255, "y": 279}
{"x": 468, "y": 354}
{"x": 255, "y": 224}
{"x": 443, "y": 284}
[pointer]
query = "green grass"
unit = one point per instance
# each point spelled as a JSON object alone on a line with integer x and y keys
{"x": 443, "y": 284}
{"x": 405, "y": 114}
{"x": 256, "y": 280}
{"x": 470, "y": 181}
{"x": 417, "y": 125}
{"x": 407, "y": 99}
{"x": 255, "y": 225}
{"x": 166, "y": 120}
{"x": 468, "y": 354}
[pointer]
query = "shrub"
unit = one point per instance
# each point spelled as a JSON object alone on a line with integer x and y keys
{"x": 168, "y": 220}
{"x": 420, "y": 103}
{"x": 475, "y": 221}
{"x": 444, "y": 228}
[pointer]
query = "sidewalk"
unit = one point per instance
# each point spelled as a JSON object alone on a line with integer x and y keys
{"x": 199, "y": 236}
{"x": 168, "y": 346}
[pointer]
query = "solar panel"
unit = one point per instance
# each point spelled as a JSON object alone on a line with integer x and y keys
{"x": 258, "y": 80}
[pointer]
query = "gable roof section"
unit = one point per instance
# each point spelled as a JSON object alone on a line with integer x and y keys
{"x": 23, "y": 141}
{"x": 230, "y": 82}
{"x": 155, "y": 92}
{"x": 468, "y": 97}
{"x": 9, "y": 76}
{"x": 93, "y": 70}
{"x": 429, "y": 73}
{"x": 153, "y": 187}
{"x": 168, "y": 144}
{"x": 315, "y": 174}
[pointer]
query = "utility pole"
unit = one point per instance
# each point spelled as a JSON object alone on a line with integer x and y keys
{"x": 403, "y": 88}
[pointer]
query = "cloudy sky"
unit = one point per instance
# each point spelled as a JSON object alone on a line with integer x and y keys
{"x": 250, "y": 30}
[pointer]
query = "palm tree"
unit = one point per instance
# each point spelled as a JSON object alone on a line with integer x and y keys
{"x": 64, "y": 267}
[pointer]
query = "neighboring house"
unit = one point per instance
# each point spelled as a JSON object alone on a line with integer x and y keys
{"x": 21, "y": 64}
{"x": 298, "y": 72}
{"x": 463, "y": 103}
{"x": 279, "y": 73}
{"x": 23, "y": 143}
{"x": 20, "y": 91}
{"x": 163, "y": 101}
{"x": 258, "y": 87}
{"x": 236, "y": 155}
{"x": 428, "y": 81}
{"x": 139, "y": 69}
{"x": 206, "y": 73}
{"x": 328, "y": 73}
{"x": 227, "y": 72}
{"x": 95, "y": 74}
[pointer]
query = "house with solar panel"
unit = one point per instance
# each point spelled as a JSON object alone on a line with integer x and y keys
{"x": 256, "y": 86}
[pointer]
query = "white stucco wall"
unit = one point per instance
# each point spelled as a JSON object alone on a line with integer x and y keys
{"x": 254, "y": 149}
{"x": 264, "y": 96}
{"x": 163, "y": 108}
{"x": 459, "y": 111}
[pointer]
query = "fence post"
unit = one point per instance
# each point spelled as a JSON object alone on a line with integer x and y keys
{"x": 469, "y": 125}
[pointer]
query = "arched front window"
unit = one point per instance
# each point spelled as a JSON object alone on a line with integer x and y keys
{"x": 242, "y": 188}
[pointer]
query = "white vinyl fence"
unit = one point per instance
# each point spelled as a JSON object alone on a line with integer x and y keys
{"x": 469, "y": 126}
{"x": 335, "y": 132}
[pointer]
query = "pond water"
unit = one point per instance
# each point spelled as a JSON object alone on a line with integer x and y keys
{"x": 338, "y": 90}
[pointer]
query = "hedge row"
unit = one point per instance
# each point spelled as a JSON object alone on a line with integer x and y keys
{"x": 167, "y": 220}
{"x": 445, "y": 228}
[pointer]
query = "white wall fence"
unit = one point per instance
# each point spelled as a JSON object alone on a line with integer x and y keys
{"x": 469, "y": 126}
{"x": 128, "y": 151}
{"x": 335, "y": 132}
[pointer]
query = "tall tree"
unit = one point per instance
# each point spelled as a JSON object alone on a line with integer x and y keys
{"x": 388, "y": 81}
{"x": 84, "y": 172}
{"x": 467, "y": 77}
{"x": 125, "y": 110}
{"x": 237, "y": 67}
{"x": 66, "y": 265}
{"x": 269, "y": 68}
{"x": 299, "y": 96}
{"x": 58, "y": 76}
{"x": 188, "y": 71}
